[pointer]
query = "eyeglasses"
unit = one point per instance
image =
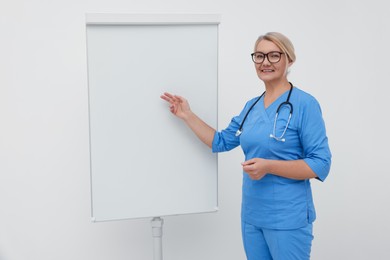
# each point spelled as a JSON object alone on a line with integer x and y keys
{"x": 273, "y": 57}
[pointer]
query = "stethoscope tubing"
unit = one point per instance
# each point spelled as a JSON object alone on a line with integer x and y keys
{"x": 287, "y": 102}
{"x": 239, "y": 131}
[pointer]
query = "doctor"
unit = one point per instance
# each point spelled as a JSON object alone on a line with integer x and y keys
{"x": 283, "y": 137}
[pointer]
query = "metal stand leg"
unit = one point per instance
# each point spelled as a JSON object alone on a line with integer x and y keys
{"x": 157, "y": 224}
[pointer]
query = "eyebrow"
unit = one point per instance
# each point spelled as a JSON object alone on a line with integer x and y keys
{"x": 267, "y": 52}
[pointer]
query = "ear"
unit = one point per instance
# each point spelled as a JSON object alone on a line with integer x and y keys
{"x": 290, "y": 63}
{"x": 288, "y": 66}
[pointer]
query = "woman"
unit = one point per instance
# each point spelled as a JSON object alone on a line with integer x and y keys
{"x": 282, "y": 154}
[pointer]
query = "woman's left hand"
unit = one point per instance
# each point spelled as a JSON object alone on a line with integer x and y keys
{"x": 255, "y": 168}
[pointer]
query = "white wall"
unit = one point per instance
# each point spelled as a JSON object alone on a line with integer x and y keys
{"x": 342, "y": 49}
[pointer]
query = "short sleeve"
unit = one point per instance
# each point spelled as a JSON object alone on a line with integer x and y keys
{"x": 226, "y": 139}
{"x": 314, "y": 140}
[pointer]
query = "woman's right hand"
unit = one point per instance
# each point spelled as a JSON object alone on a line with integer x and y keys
{"x": 178, "y": 105}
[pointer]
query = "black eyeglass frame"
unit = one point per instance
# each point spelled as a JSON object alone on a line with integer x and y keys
{"x": 266, "y": 55}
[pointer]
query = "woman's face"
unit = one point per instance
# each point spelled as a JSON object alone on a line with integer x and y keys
{"x": 266, "y": 70}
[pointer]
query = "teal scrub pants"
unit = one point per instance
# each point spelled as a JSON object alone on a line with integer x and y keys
{"x": 274, "y": 244}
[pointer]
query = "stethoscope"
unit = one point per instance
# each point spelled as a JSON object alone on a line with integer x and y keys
{"x": 285, "y": 103}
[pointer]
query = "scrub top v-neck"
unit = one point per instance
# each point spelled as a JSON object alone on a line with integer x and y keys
{"x": 273, "y": 201}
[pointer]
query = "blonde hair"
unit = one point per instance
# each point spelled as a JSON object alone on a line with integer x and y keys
{"x": 281, "y": 41}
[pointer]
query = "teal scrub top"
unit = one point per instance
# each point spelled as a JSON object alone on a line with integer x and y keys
{"x": 276, "y": 202}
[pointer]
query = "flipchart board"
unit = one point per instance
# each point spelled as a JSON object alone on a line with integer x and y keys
{"x": 144, "y": 161}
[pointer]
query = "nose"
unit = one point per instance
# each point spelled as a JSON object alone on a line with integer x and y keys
{"x": 266, "y": 61}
